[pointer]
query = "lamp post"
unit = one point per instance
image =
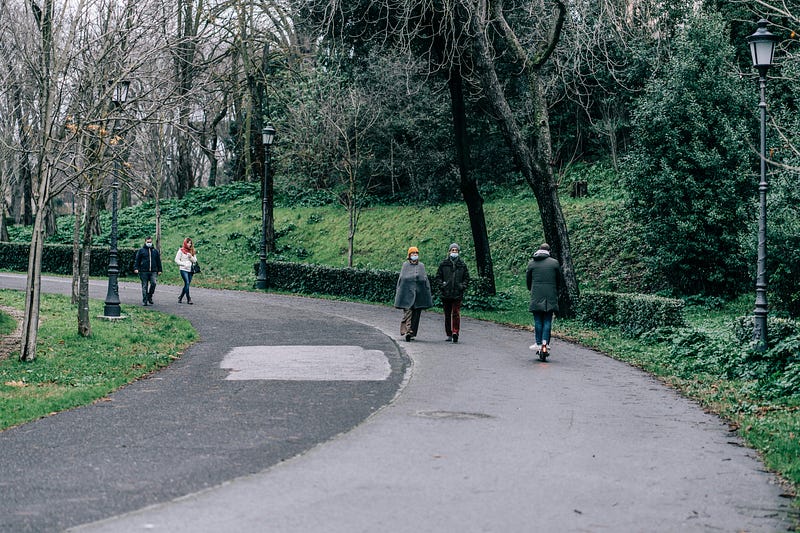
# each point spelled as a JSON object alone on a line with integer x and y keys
{"x": 267, "y": 136}
{"x": 111, "y": 309}
{"x": 762, "y": 48}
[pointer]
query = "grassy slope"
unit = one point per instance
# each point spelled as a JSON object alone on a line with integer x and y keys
{"x": 227, "y": 239}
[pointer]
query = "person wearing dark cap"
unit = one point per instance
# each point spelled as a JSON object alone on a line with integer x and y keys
{"x": 452, "y": 277}
{"x": 543, "y": 278}
{"x": 413, "y": 293}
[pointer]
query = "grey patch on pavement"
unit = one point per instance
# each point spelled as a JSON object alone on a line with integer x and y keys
{"x": 460, "y": 415}
{"x": 306, "y": 363}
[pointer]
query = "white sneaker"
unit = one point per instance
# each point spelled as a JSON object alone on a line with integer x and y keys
{"x": 534, "y": 347}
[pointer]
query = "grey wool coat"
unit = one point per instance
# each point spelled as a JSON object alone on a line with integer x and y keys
{"x": 543, "y": 278}
{"x": 413, "y": 288}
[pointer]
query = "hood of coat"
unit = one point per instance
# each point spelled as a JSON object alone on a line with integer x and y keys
{"x": 541, "y": 254}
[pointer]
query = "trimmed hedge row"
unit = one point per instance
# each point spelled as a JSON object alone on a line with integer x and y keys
{"x": 778, "y": 328}
{"x": 634, "y": 314}
{"x": 368, "y": 284}
{"x": 57, "y": 259}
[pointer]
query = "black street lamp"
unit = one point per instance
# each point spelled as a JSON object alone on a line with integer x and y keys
{"x": 267, "y": 136}
{"x": 762, "y": 47}
{"x": 111, "y": 309}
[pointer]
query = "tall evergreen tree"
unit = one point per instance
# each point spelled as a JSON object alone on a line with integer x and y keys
{"x": 689, "y": 176}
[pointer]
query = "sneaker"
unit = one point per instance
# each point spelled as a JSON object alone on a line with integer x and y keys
{"x": 455, "y": 338}
{"x": 150, "y": 300}
{"x": 408, "y": 337}
{"x": 534, "y": 347}
{"x": 144, "y": 303}
{"x": 449, "y": 338}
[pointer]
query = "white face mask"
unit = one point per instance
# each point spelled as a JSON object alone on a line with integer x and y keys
{"x": 414, "y": 257}
{"x": 149, "y": 244}
{"x": 453, "y": 255}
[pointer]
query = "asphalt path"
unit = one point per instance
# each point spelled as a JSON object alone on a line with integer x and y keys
{"x": 254, "y": 429}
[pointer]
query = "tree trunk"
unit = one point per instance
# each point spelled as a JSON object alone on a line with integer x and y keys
{"x": 469, "y": 187}
{"x": 84, "y": 321}
{"x": 30, "y": 323}
{"x": 158, "y": 223}
{"x": 76, "y": 249}
{"x": 536, "y": 168}
{"x": 184, "y": 56}
{"x": 24, "y": 170}
{"x": 545, "y": 188}
{"x": 3, "y": 225}
{"x": 212, "y": 160}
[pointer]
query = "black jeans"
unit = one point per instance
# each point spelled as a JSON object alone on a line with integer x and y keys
{"x": 149, "y": 281}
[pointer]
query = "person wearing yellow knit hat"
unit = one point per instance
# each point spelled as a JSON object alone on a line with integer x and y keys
{"x": 413, "y": 293}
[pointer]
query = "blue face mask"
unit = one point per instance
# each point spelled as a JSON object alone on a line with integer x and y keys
{"x": 453, "y": 255}
{"x": 414, "y": 257}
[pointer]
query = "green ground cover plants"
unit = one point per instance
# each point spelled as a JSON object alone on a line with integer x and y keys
{"x": 7, "y": 323}
{"x": 70, "y": 370}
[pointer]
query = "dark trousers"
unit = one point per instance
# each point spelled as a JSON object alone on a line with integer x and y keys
{"x": 149, "y": 280}
{"x": 187, "y": 280}
{"x": 452, "y": 316}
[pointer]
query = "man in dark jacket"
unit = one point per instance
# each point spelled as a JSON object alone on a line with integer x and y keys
{"x": 148, "y": 265}
{"x": 543, "y": 278}
{"x": 452, "y": 277}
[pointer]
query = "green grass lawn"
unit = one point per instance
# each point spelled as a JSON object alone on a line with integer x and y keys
{"x": 71, "y": 370}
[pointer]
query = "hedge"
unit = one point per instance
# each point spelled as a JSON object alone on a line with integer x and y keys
{"x": 57, "y": 259}
{"x": 367, "y": 284}
{"x": 634, "y": 314}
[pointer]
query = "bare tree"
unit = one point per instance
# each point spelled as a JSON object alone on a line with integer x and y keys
{"x": 485, "y": 34}
{"x": 61, "y": 88}
{"x": 350, "y": 117}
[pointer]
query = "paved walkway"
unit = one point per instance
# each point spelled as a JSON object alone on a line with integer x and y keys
{"x": 395, "y": 436}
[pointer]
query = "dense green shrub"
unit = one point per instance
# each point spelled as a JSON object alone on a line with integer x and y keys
{"x": 783, "y": 258}
{"x": 689, "y": 173}
{"x": 777, "y": 328}
{"x": 693, "y": 351}
{"x": 783, "y": 252}
{"x": 364, "y": 284}
{"x": 634, "y": 314}
{"x": 57, "y": 259}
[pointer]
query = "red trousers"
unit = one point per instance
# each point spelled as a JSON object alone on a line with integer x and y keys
{"x": 452, "y": 316}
